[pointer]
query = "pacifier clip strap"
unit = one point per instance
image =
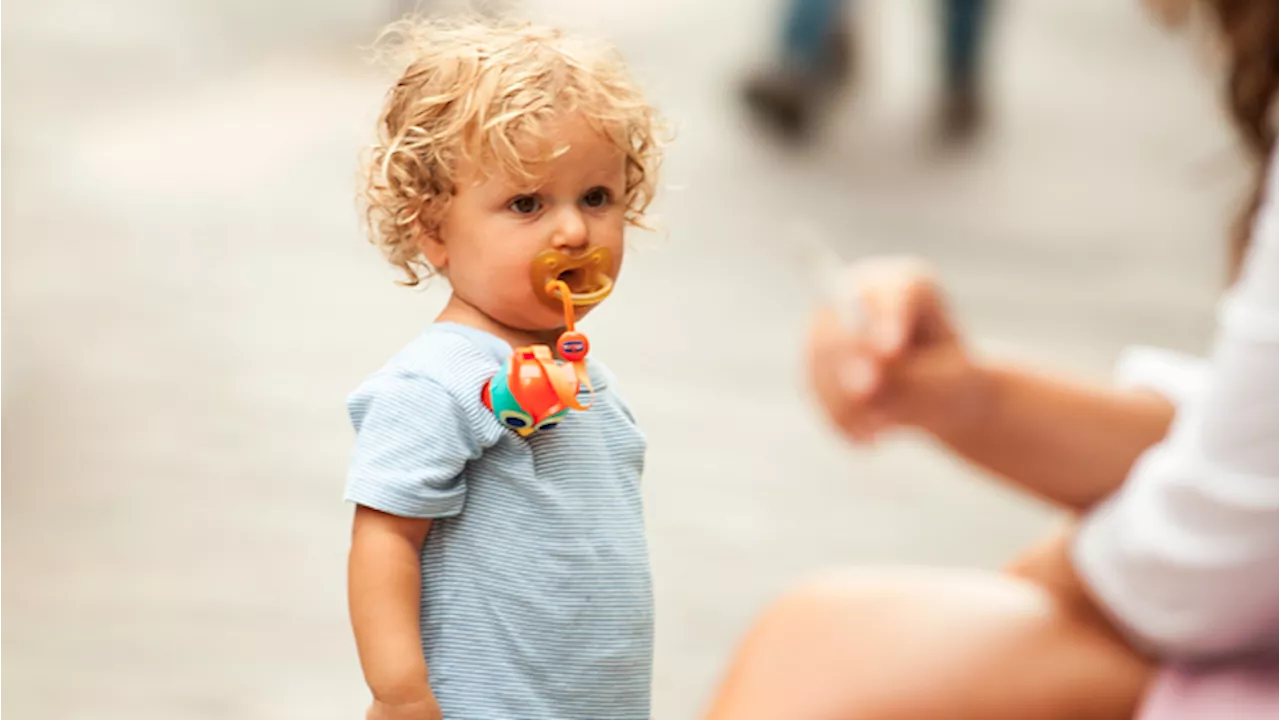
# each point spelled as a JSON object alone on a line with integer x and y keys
{"x": 577, "y": 359}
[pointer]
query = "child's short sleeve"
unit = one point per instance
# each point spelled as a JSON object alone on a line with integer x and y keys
{"x": 412, "y": 442}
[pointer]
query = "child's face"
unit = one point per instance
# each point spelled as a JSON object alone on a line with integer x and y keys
{"x": 493, "y": 229}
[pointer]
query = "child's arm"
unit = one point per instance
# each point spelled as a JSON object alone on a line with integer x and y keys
{"x": 384, "y": 576}
{"x": 413, "y": 441}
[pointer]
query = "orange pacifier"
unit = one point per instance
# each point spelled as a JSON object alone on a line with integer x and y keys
{"x": 586, "y": 276}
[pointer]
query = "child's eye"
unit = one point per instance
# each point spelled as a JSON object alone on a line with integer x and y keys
{"x": 525, "y": 204}
{"x": 597, "y": 197}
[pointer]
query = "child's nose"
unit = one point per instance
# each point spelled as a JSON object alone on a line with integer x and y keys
{"x": 571, "y": 229}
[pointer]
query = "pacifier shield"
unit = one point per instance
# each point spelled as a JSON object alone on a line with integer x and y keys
{"x": 586, "y": 275}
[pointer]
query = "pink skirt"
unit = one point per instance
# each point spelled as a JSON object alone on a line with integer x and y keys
{"x": 1238, "y": 692}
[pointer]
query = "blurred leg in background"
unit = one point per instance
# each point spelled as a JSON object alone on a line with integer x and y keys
{"x": 817, "y": 61}
{"x": 964, "y": 24}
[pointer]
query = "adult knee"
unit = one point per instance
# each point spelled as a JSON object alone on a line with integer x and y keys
{"x": 908, "y": 643}
{"x": 831, "y": 648}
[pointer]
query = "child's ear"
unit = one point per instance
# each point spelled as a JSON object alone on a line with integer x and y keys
{"x": 433, "y": 248}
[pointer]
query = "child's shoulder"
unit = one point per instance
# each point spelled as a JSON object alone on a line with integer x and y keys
{"x": 449, "y": 354}
{"x": 454, "y": 359}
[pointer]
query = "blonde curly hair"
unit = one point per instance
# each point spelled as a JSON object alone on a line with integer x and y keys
{"x": 481, "y": 92}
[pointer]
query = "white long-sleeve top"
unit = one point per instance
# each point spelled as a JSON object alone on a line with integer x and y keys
{"x": 1184, "y": 555}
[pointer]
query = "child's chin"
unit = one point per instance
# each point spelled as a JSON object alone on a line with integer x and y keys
{"x": 556, "y": 320}
{"x": 550, "y": 321}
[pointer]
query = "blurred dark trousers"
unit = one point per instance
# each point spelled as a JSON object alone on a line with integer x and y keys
{"x": 810, "y": 25}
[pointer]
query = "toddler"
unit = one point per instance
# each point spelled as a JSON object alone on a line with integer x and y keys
{"x": 497, "y": 572}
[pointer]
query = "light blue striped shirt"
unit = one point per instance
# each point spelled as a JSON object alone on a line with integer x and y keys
{"x": 536, "y": 593}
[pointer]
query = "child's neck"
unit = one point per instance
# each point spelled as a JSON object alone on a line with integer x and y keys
{"x": 460, "y": 311}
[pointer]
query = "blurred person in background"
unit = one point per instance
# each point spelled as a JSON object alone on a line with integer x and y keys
{"x": 1159, "y": 597}
{"x": 819, "y": 58}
